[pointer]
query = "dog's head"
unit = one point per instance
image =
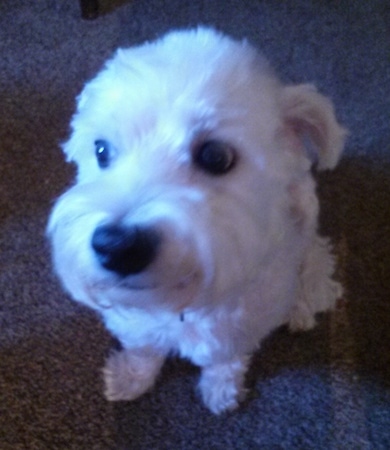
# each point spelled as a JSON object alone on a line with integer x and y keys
{"x": 187, "y": 151}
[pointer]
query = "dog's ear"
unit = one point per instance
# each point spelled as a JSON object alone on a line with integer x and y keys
{"x": 311, "y": 116}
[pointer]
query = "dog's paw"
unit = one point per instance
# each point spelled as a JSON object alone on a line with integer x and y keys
{"x": 318, "y": 290}
{"x": 302, "y": 317}
{"x": 222, "y": 398}
{"x": 221, "y": 386}
{"x": 127, "y": 376}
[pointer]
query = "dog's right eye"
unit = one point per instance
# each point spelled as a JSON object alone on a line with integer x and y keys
{"x": 215, "y": 157}
{"x": 102, "y": 152}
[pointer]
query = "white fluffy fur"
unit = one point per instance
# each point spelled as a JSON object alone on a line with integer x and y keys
{"x": 240, "y": 253}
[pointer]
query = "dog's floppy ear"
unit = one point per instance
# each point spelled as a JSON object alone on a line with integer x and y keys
{"x": 311, "y": 116}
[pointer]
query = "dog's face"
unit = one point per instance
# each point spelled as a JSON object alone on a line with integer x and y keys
{"x": 187, "y": 152}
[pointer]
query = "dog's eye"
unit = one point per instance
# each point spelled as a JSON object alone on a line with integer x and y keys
{"x": 102, "y": 152}
{"x": 215, "y": 157}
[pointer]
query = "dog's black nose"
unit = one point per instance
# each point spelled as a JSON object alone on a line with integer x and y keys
{"x": 125, "y": 250}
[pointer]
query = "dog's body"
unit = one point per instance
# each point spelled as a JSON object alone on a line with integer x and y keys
{"x": 193, "y": 224}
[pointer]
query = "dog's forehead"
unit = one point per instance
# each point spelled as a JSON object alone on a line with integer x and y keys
{"x": 198, "y": 74}
{"x": 148, "y": 98}
{"x": 184, "y": 117}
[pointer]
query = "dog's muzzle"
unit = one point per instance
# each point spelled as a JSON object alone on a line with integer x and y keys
{"x": 125, "y": 250}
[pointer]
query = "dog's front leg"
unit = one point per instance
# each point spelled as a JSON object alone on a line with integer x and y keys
{"x": 222, "y": 384}
{"x": 129, "y": 373}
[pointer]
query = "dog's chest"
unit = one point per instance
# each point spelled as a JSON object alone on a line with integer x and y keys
{"x": 198, "y": 337}
{"x": 193, "y": 335}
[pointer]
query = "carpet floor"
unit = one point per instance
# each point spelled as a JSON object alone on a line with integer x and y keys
{"x": 325, "y": 389}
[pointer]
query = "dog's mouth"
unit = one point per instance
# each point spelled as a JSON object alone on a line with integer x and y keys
{"x": 148, "y": 283}
{"x": 137, "y": 284}
{"x": 138, "y": 290}
{"x": 144, "y": 282}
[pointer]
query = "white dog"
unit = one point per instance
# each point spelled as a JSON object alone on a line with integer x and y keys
{"x": 192, "y": 227}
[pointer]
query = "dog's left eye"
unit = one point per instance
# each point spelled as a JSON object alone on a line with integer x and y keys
{"x": 215, "y": 157}
{"x": 102, "y": 152}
